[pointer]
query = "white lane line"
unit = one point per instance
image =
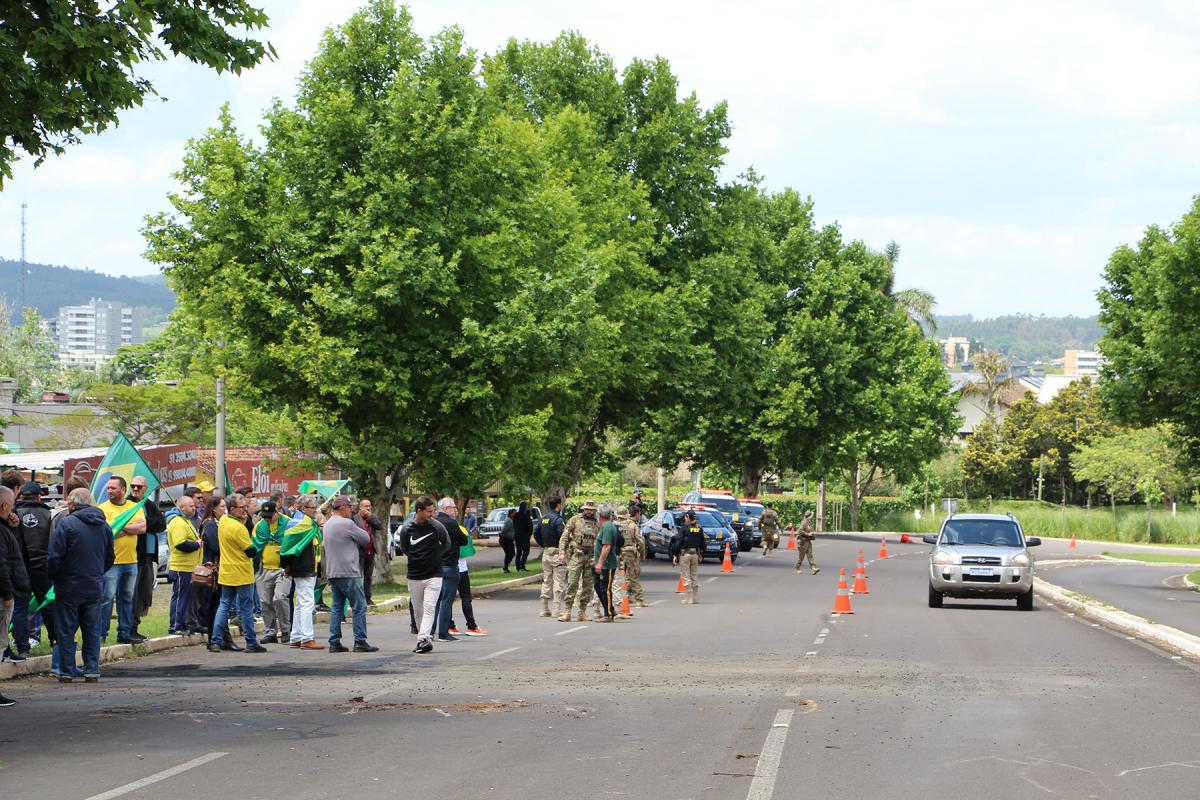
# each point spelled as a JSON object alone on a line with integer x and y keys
{"x": 710, "y": 580}
{"x": 763, "y": 785}
{"x": 656, "y": 602}
{"x": 824, "y": 631}
{"x": 571, "y": 630}
{"x": 158, "y": 776}
{"x": 794, "y": 692}
{"x": 443, "y": 713}
{"x": 498, "y": 653}
{"x": 819, "y": 640}
{"x": 810, "y": 654}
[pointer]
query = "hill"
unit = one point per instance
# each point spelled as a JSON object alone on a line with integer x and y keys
{"x": 1025, "y": 336}
{"x": 47, "y": 287}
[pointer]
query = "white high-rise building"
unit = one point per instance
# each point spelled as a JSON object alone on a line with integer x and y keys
{"x": 89, "y": 335}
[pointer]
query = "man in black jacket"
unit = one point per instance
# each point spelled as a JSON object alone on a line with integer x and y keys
{"x": 424, "y": 541}
{"x": 14, "y": 580}
{"x": 147, "y": 577}
{"x": 687, "y": 551}
{"x": 34, "y": 536}
{"x": 81, "y": 552}
{"x": 554, "y": 569}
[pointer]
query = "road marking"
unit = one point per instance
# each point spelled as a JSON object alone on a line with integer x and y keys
{"x": 810, "y": 654}
{"x": 763, "y": 785}
{"x": 500, "y": 653}
{"x": 158, "y": 776}
{"x": 824, "y": 631}
{"x": 571, "y": 630}
{"x": 443, "y": 713}
{"x": 710, "y": 580}
{"x": 656, "y": 602}
{"x": 793, "y": 692}
{"x": 819, "y": 640}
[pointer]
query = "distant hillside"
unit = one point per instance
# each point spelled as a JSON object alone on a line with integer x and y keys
{"x": 48, "y": 287}
{"x": 1024, "y": 336}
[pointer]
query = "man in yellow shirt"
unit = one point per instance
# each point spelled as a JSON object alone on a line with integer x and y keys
{"x": 236, "y": 578}
{"x": 183, "y": 545}
{"x": 121, "y": 581}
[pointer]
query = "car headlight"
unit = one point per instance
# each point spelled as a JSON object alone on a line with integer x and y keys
{"x": 942, "y": 557}
{"x": 1020, "y": 560}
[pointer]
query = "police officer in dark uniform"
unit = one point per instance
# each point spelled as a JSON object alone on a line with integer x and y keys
{"x": 687, "y": 551}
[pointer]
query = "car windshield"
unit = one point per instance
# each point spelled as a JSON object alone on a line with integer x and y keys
{"x": 726, "y": 504}
{"x": 706, "y": 519}
{"x": 499, "y": 515}
{"x": 754, "y": 511}
{"x": 994, "y": 532}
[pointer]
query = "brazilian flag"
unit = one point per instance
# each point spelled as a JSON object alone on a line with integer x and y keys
{"x": 123, "y": 459}
{"x": 299, "y": 531}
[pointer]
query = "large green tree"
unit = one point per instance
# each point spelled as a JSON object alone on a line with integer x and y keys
{"x": 1151, "y": 318}
{"x": 70, "y": 66}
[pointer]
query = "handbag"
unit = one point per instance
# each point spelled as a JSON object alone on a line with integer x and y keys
{"x": 206, "y": 574}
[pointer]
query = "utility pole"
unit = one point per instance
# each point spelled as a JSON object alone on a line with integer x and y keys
{"x": 662, "y": 490}
{"x": 219, "y": 467}
{"x": 21, "y": 295}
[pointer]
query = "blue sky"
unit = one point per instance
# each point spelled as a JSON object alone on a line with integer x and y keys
{"x": 1008, "y": 147}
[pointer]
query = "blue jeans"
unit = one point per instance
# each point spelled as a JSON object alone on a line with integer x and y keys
{"x": 445, "y": 602}
{"x": 241, "y": 600}
{"x": 78, "y": 615}
{"x": 119, "y": 585}
{"x": 20, "y": 623}
{"x": 351, "y": 590}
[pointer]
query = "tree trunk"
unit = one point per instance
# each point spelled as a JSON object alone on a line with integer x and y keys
{"x": 1149, "y": 521}
{"x": 855, "y": 496}
{"x": 750, "y": 480}
{"x": 820, "y": 507}
{"x": 1112, "y": 500}
{"x": 383, "y": 498}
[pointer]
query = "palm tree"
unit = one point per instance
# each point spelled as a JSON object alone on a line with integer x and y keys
{"x": 994, "y": 380}
{"x": 917, "y": 303}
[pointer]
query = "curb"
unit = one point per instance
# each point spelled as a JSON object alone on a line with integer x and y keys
{"x": 515, "y": 583}
{"x": 1153, "y": 632}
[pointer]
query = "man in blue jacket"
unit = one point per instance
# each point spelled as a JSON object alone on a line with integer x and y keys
{"x": 81, "y": 551}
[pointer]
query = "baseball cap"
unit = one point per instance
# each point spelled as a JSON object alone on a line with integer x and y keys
{"x": 268, "y": 507}
{"x": 33, "y": 487}
{"x": 341, "y": 501}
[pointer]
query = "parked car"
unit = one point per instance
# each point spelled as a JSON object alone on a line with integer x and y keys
{"x": 728, "y": 506}
{"x": 753, "y": 511}
{"x": 489, "y": 527}
{"x": 659, "y": 529}
{"x": 981, "y": 555}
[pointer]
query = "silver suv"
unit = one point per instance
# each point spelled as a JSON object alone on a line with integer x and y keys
{"x": 981, "y": 555}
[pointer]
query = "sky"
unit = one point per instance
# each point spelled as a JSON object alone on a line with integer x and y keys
{"x": 1007, "y": 147}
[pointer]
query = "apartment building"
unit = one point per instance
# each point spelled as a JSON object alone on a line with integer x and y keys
{"x": 89, "y": 335}
{"x": 1082, "y": 362}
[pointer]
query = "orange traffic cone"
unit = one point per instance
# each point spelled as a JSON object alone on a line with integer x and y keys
{"x": 860, "y": 577}
{"x": 842, "y": 604}
{"x": 904, "y": 539}
{"x": 680, "y": 588}
{"x": 625, "y": 609}
{"x": 727, "y": 564}
{"x": 1072, "y": 545}
{"x": 883, "y": 548}
{"x": 792, "y": 541}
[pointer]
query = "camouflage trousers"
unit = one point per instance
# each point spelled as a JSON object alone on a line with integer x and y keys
{"x": 554, "y": 581}
{"x": 580, "y": 582}
{"x": 689, "y": 563}
{"x": 632, "y": 565}
{"x": 804, "y": 548}
{"x": 769, "y": 542}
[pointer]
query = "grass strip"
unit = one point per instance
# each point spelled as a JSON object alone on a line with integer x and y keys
{"x": 1156, "y": 558}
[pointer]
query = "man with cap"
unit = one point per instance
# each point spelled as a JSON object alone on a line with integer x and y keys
{"x": 687, "y": 550}
{"x": 33, "y": 534}
{"x": 771, "y": 529}
{"x": 804, "y": 544}
{"x": 576, "y": 549}
{"x": 343, "y": 541}
{"x": 272, "y": 583}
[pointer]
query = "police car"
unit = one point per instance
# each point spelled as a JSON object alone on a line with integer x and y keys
{"x": 725, "y": 503}
{"x": 658, "y": 530}
{"x": 753, "y": 511}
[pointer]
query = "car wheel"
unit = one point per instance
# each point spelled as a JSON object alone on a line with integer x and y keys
{"x": 935, "y": 597}
{"x": 1025, "y": 601}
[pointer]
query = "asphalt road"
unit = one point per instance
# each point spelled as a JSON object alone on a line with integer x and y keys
{"x": 755, "y": 693}
{"x": 1151, "y": 591}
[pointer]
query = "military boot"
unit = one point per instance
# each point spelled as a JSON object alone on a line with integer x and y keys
{"x": 582, "y": 617}
{"x": 545, "y": 612}
{"x": 565, "y": 616}
{"x": 641, "y": 603}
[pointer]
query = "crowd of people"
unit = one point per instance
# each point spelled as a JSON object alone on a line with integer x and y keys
{"x": 236, "y": 559}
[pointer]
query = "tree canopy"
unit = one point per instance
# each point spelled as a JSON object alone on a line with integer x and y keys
{"x": 69, "y": 66}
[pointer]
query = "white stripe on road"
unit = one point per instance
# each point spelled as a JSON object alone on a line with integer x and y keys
{"x": 810, "y": 654}
{"x": 656, "y": 602}
{"x": 763, "y": 785}
{"x": 819, "y": 640}
{"x": 158, "y": 776}
{"x": 710, "y": 580}
{"x": 443, "y": 713}
{"x": 499, "y": 653}
{"x": 793, "y": 692}
{"x": 571, "y": 630}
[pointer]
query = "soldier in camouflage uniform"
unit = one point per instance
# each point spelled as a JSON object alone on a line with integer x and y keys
{"x": 631, "y": 556}
{"x": 804, "y": 545}
{"x": 577, "y": 546}
{"x": 771, "y": 530}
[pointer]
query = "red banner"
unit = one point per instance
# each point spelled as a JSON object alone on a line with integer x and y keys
{"x": 263, "y": 481}
{"x": 174, "y": 464}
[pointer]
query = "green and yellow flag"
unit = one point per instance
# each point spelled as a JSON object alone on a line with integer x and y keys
{"x": 326, "y": 489}
{"x": 299, "y": 531}
{"x": 123, "y": 459}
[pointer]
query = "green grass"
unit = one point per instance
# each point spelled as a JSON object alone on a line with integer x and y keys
{"x": 1156, "y": 558}
{"x": 1194, "y": 577}
{"x": 1051, "y": 520}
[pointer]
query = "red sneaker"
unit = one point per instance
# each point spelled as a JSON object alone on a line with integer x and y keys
{"x": 454, "y": 630}
{"x": 476, "y": 632}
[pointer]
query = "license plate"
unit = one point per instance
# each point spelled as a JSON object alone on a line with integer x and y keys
{"x": 982, "y": 571}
